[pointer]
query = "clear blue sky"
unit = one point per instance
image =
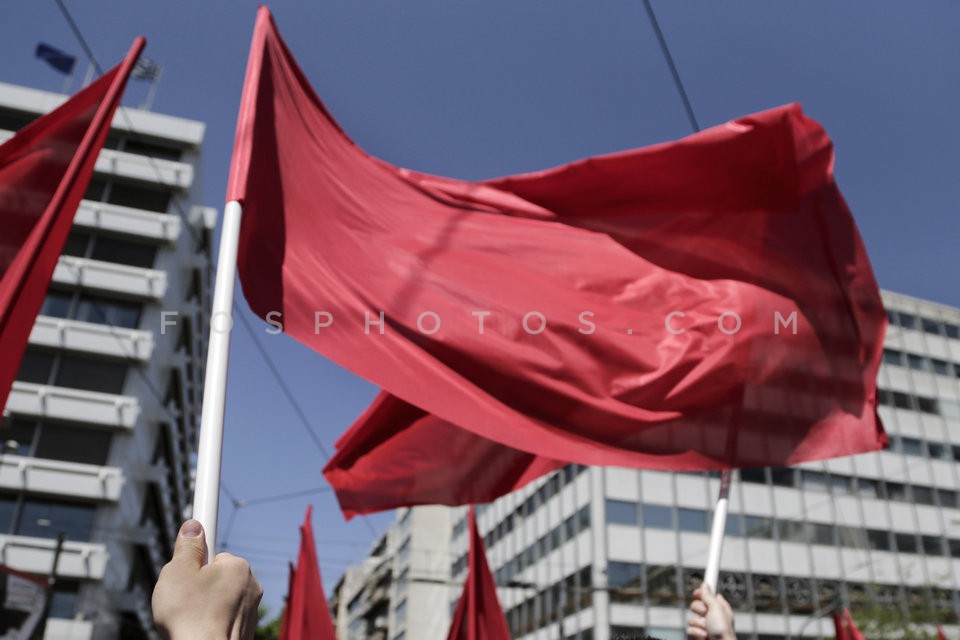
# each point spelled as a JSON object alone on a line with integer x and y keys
{"x": 477, "y": 89}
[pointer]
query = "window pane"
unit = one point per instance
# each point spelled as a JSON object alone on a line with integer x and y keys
{"x": 907, "y": 321}
{"x": 692, "y": 520}
{"x": 44, "y": 519}
{"x": 879, "y": 540}
{"x": 923, "y": 495}
{"x": 118, "y": 313}
{"x": 937, "y": 450}
{"x": 932, "y": 545}
{"x": 953, "y": 331}
{"x": 930, "y": 326}
{"x": 143, "y": 148}
{"x": 868, "y": 488}
{"x": 928, "y": 405}
{"x": 792, "y": 531}
{"x": 758, "y": 476}
{"x": 56, "y": 304}
{"x": 734, "y": 525}
{"x": 948, "y": 498}
{"x": 91, "y": 375}
{"x": 911, "y": 446}
{"x": 135, "y": 254}
{"x": 35, "y": 367}
{"x": 917, "y": 362}
{"x": 892, "y": 357}
{"x": 657, "y": 517}
{"x": 783, "y": 477}
{"x": 759, "y": 527}
{"x": 852, "y": 537}
{"x": 821, "y": 533}
{"x": 906, "y": 542}
{"x": 902, "y": 400}
{"x": 7, "y": 508}
{"x": 897, "y": 491}
{"x": 73, "y": 444}
{"x": 18, "y": 437}
{"x": 140, "y": 197}
{"x": 95, "y": 190}
{"x": 619, "y": 512}
{"x": 941, "y": 367}
{"x": 76, "y": 244}
{"x": 813, "y": 480}
{"x": 63, "y": 602}
{"x": 841, "y": 484}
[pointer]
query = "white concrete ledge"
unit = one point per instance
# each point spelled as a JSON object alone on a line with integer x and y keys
{"x": 107, "y": 276}
{"x": 85, "y": 560}
{"x": 63, "y": 629}
{"x": 91, "y": 337}
{"x": 75, "y": 405}
{"x": 38, "y": 475}
{"x": 164, "y": 227}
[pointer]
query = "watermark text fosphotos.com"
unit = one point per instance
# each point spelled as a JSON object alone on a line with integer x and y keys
{"x": 533, "y": 322}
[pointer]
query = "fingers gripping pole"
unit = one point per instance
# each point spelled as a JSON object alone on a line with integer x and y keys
{"x": 716, "y": 532}
{"x": 206, "y": 497}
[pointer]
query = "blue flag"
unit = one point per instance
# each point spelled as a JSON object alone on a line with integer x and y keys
{"x": 62, "y": 62}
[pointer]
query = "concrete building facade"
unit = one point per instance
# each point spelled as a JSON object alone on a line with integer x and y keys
{"x": 99, "y": 432}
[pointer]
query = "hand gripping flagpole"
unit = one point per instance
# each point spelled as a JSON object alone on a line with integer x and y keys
{"x": 206, "y": 496}
{"x": 717, "y": 531}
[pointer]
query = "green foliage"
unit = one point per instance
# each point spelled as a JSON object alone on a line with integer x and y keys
{"x": 267, "y": 629}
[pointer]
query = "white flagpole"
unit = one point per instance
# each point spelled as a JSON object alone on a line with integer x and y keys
{"x": 206, "y": 497}
{"x": 717, "y": 531}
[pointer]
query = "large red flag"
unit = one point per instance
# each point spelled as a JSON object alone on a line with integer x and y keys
{"x": 307, "y": 615}
{"x": 284, "y": 632}
{"x": 844, "y": 626}
{"x": 478, "y": 615}
{"x": 702, "y": 304}
{"x": 44, "y": 172}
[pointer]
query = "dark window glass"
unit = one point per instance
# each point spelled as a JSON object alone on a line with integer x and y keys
{"x": 948, "y": 498}
{"x": 902, "y": 400}
{"x": 692, "y": 520}
{"x": 932, "y": 545}
{"x": 118, "y": 313}
{"x": 624, "y": 574}
{"x": 662, "y": 585}
{"x": 95, "y": 190}
{"x": 906, "y": 542}
{"x": 956, "y": 452}
{"x": 73, "y": 444}
{"x": 783, "y": 477}
{"x": 907, "y": 321}
{"x": 892, "y": 317}
{"x": 892, "y": 357}
{"x": 619, "y": 512}
{"x": 911, "y": 446}
{"x": 954, "y": 547}
{"x": 869, "y": 488}
{"x": 821, "y": 533}
{"x": 917, "y": 362}
{"x": 128, "y": 252}
{"x": 7, "y": 508}
{"x": 792, "y": 531}
{"x": 841, "y": 484}
{"x": 18, "y": 437}
{"x": 35, "y": 367}
{"x": 940, "y": 367}
{"x": 63, "y": 602}
{"x": 885, "y": 397}
{"x": 930, "y": 326}
{"x": 77, "y": 243}
{"x": 879, "y": 540}
{"x": 14, "y": 120}
{"x": 45, "y": 519}
{"x": 813, "y": 480}
{"x": 657, "y": 517}
{"x": 143, "y": 148}
{"x": 139, "y": 197}
{"x": 56, "y": 304}
{"x": 897, "y": 491}
{"x": 91, "y": 375}
{"x": 928, "y": 405}
{"x": 937, "y": 450}
{"x": 852, "y": 537}
{"x": 734, "y": 525}
{"x": 923, "y": 495}
{"x": 758, "y": 476}
{"x": 759, "y": 527}
{"x": 953, "y": 331}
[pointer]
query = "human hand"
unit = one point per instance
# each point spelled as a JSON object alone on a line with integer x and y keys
{"x": 711, "y": 617}
{"x": 194, "y": 601}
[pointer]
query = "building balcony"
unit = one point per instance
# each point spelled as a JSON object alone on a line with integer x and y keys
{"x": 162, "y": 227}
{"x": 90, "y": 337}
{"x": 83, "y": 560}
{"x": 74, "y": 405}
{"x": 39, "y": 475}
{"x": 169, "y": 173}
{"x": 107, "y": 276}
{"x": 63, "y": 629}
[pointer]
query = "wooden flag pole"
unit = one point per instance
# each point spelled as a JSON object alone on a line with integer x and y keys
{"x": 717, "y": 531}
{"x": 206, "y": 496}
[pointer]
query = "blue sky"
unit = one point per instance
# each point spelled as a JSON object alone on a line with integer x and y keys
{"x": 475, "y": 89}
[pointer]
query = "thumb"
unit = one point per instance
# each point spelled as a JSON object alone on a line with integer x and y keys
{"x": 707, "y": 595}
{"x": 191, "y": 546}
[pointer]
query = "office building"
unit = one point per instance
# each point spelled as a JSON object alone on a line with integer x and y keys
{"x": 99, "y": 432}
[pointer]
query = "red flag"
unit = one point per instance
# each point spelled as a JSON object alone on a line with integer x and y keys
{"x": 44, "y": 172}
{"x": 845, "y": 627}
{"x": 478, "y": 615}
{"x": 284, "y": 632}
{"x": 940, "y": 633}
{"x": 307, "y": 615}
{"x": 632, "y": 305}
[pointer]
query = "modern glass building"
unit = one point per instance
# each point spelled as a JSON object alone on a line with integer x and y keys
{"x": 99, "y": 432}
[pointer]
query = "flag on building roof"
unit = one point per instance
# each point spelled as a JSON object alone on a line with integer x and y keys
{"x": 44, "y": 171}
{"x": 478, "y": 615}
{"x": 62, "y": 62}
{"x": 307, "y": 615}
{"x": 701, "y": 304}
{"x": 844, "y": 626}
{"x": 147, "y": 69}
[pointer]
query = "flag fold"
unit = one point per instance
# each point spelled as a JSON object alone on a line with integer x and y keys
{"x": 306, "y": 615}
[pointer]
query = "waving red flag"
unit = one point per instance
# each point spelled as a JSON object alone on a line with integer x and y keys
{"x": 307, "y": 615}
{"x": 702, "y": 304}
{"x": 845, "y": 627}
{"x": 44, "y": 171}
{"x": 284, "y": 632}
{"x": 478, "y": 615}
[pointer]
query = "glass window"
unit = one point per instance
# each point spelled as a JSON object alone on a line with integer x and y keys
{"x": 930, "y": 326}
{"x": 143, "y": 148}
{"x": 879, "y": 540}
{"x": 923, "y": 495}
{"x": 891, "y": 356}
{"x": 139, "y": 197}
{"x": 47, "y": 519}
{"x": 783, "y": 477}
{"x": 937, "y": 450}
{"x": 758, "y": 476}
{"x": 620, "y": 512}
{"x": 841, "y": 484}
{"x": 73, "y": 444}
{"x": 624, "y": 574}
{"x": 852, "y": 537}
{"x": 928, "y": 405}
{"x": 8, "y": 507}
{"x": 128, "y": 252}
{"x": 63, "y": 602}
{"x": 656, "y": 516}
{"x": 948, "y": 498}
{"x": 821, "y": 533}
{"x": 692, "y": 520}
{"x": 91, "y": 375}
{"x": 95, "y": 189}
{"x": 932, "y": 545}
{"x": 953, "y": 331}
{"x": 813, "y": 480}
{"x": 734, "y": 525}
{"x": 118, "y": 313}
{"x": 56, "y": 304}
{"x": 35, "y": 366}
{"x": 759, "y": 526}
{"x": 18, "y": 437}
{"x": 792, "y": 531}
{"x": 941, "y": 367}
{"x": 906, "y": 542}
{"x": 917, "y": 362}
{"x": 662, "y": 585}
{"x": 902, "y": 400}
{"x": 907, "y": 321}
{"x": 911, "y": 446}
{"x": 76, "y": 244}
{"x": 954, "y": 547}
{"x": 897, "y": 491}
{"x": 868, "y": 488}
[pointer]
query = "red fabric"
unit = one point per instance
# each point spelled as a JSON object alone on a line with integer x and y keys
{"x": 478, "y": 615}
{"x": 44, "y": 172}
{"x": 940, "y": 633}
{"x": 844, "y": 626}
{"x": 307, "y": 615}
{"x": 744, "y": 217}
{"x": 284, "y": 633}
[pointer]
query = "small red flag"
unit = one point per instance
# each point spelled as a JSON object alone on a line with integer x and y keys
{"x": 44, "y": 171}
{"x": 478, "y": 615}
{"x": 844, "y": 626}
{"x": 697, "y": 305}
{"x": 940, "y": 633}
{"x": 307, "y": 615}
{"x": 284, "y": 632}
